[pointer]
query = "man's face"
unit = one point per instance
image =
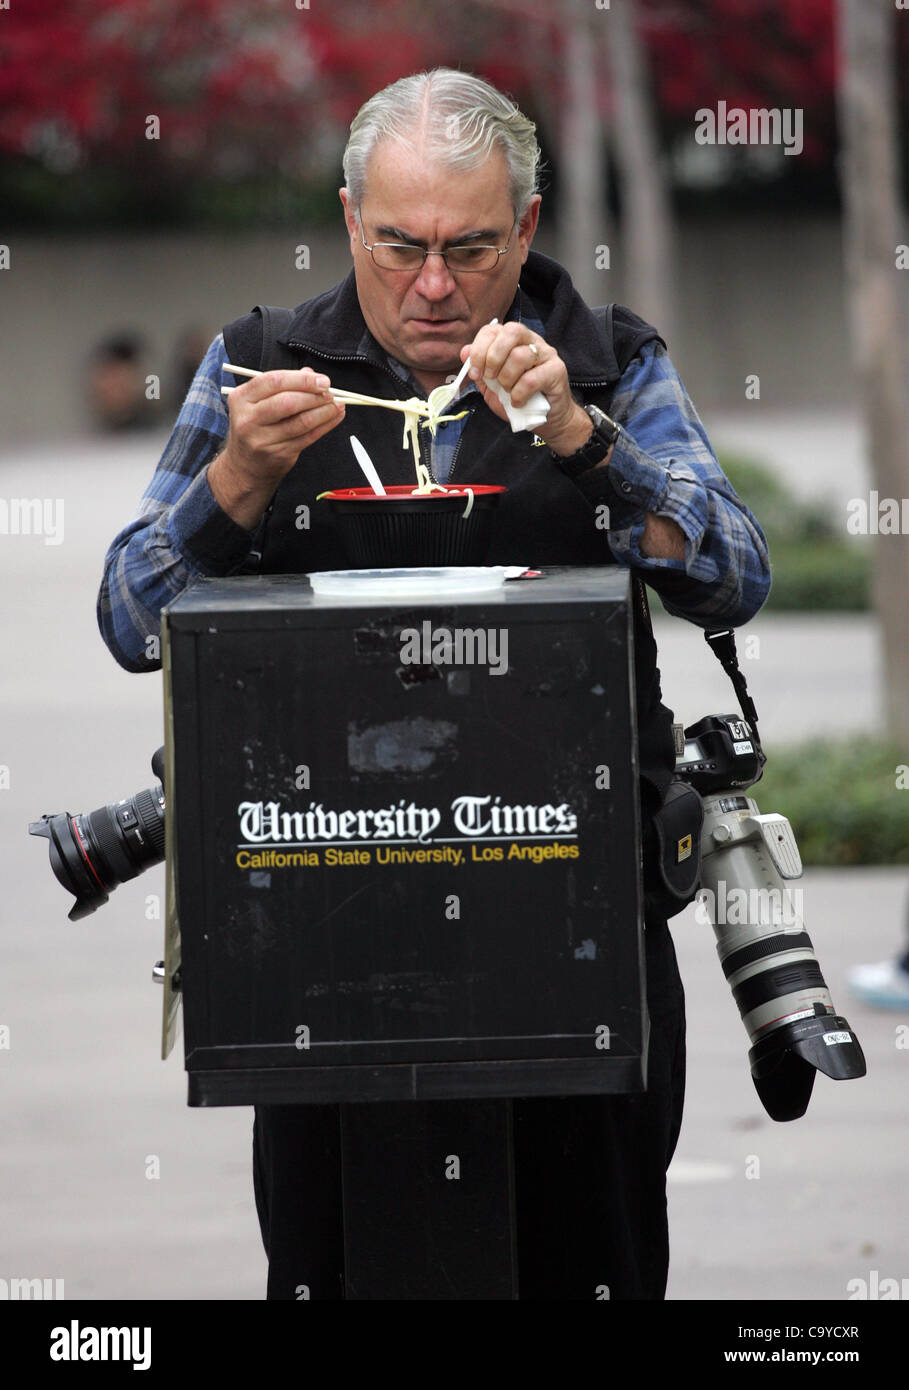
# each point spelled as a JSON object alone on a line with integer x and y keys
{"x": 424, "y": 317}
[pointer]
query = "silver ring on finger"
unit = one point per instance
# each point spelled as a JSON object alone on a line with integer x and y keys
{"x": 535, "y": 350}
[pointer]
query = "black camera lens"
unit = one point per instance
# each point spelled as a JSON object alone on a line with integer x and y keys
{"x": 93, "y": 853}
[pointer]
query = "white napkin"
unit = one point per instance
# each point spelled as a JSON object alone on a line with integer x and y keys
{"x": 522, "y": 417}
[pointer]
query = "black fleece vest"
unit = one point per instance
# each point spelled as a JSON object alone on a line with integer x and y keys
{"x": 543, "y": 519}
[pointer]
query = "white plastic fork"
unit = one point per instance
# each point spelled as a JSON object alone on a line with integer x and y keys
{"x": 369, "y": 468}
{"x": 442, "y": 401}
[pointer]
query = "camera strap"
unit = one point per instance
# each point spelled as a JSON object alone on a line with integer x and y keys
{"x": 722, "y": 643}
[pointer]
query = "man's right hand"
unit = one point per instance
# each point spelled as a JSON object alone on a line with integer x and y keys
{"x": 272, "y": 418}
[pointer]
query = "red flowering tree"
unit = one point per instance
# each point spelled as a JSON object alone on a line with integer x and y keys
{"x": 239, "y": 92}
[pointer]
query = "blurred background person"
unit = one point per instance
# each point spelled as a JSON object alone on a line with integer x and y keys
{"x": 116, "y": 385}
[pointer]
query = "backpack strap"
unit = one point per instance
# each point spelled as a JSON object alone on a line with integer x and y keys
{"x": 275, "y": 321}
{"x": 241, "y": 341}
{"x": 604, "y": 315}
{"x": 624, "y": 333}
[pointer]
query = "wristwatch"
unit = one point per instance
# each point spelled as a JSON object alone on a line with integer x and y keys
{"x": 605, "y": 433}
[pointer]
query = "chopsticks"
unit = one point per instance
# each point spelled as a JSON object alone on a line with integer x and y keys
{"x": 251, "y": 371}
{"x": 349, "y": 397}
{"x": 412, "y": 407}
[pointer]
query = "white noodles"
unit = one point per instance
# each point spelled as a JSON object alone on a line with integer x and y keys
{"x": 416, "y": 412}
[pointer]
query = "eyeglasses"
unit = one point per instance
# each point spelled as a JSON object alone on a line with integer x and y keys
{"x": 402, "y": 255}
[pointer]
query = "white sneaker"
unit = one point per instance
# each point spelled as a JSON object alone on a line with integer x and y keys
{"x": 883, "y": 986}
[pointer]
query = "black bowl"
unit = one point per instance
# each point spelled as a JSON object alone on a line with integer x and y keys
{"x": 404, "y": 530}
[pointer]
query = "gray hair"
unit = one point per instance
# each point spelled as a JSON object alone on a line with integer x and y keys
{"x": 460, "y": 117}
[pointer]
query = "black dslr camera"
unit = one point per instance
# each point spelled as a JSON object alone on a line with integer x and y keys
{"x": 93, "y": 853}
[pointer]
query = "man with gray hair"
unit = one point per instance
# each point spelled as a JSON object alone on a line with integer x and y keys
{"x": 441, "y": 206}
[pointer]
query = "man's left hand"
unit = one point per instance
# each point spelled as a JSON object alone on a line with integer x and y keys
{"x": 523, "y": 362}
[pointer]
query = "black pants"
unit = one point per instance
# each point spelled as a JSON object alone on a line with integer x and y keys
{"x": 590, "y": 1176}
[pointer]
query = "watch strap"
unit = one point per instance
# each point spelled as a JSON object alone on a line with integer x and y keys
{"x": 591, "y": 453}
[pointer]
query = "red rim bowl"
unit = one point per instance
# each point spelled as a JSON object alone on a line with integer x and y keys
{"x": 401, "y": 529}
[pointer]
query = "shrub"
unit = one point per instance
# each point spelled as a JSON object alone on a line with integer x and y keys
{"x": 842, "y": 799}
{"x": 815, "y": 565}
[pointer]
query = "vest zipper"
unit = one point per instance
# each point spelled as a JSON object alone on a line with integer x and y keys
{"x": 454, "y": 457}
{"x": 425, "y": 453}
{"x": 401, "y": 385}
{"x": 356, "y": 357}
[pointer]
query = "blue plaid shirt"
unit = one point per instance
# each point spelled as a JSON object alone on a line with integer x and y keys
{"x": 662, "y": 461}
